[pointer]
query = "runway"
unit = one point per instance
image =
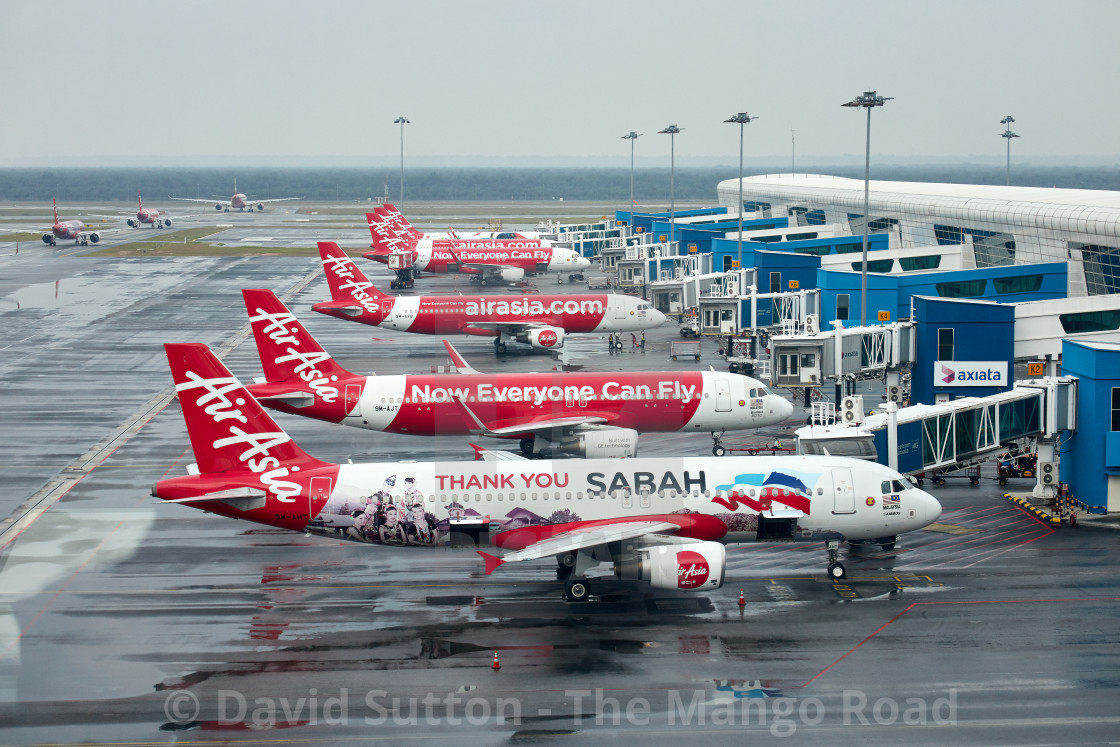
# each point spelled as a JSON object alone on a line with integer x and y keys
{"x": 123, "y": 620}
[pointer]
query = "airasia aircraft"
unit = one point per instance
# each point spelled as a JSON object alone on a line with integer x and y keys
{"x": 587, "y": 414}
{"x": 664, "y": 521}
{"x": 150, "y": 216}
{"x": 69, "y": 229}
{"x": 392, "y": 217}
{"x": 237, "y": 202}
{"x": 489, "y": 259}
{"x": 541, "y": 321}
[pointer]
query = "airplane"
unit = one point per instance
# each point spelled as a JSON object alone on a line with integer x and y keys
{"x": 585, "y": 414}
{"x": 238, "y": 201}
{"x": 391, "y": 215}
{"x": 540, "y": 321}
{"x": 150, "y": 215}
{"x": 664, "y": 520}
{"x": 489, "y": 260}
{"x": 70, "y": 229}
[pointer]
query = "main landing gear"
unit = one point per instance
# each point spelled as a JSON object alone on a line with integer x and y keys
{"x": 577, "y": 589}
{"x": 835, "y": 567}
{"x": 717, "y": 443}
{"x": 499, "y": 346}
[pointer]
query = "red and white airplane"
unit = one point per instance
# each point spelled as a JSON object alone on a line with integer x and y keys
{"x": 586, "y": 414}
{"x": 150, "y": 216}
{"x": 237, "y": 202}
{"x": 70, "y": 229}
{"x": 541, "y": 321}
{"x": 664, "y": 521}
{"x": 389, "y": 214}
{"x": 490, "y": 260}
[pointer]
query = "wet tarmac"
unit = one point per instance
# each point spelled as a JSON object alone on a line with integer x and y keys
{"x": 123, "y": 620}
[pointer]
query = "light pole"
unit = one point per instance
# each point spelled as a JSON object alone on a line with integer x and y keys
{"x": 869, "y": 100}
{"x": 1007, "y": 133}
{"x": 632, "y": 136}
{"x": 402, "y": 121}
{"x": 672, "y": 131}
{"x": 742, "y": 118}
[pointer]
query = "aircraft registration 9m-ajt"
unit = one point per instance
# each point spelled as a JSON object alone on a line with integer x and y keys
{"x": 488, "y": 259}
{"x": 541, "y": 321}
{"x": 586, "y": 414}
{"x": 664, "y": 521}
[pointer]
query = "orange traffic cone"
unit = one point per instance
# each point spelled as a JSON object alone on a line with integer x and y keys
{"x": 495, "y": 665}
{"x": 742, "y": 600}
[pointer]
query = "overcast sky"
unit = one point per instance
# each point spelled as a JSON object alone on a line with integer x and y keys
{"x": 524, "y": 82}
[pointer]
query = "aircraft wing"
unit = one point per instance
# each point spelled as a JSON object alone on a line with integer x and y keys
{"x": 480, "y": 267}
{"x": 511, "y": 327}
{"x": 274, "y": 199}
{"x": 482, "y": 454}
{"x": 227, "y": 203}
{"x": 528, "y": 426}
{"x": 460, "y": 362}
{"x": 579, "y": 538}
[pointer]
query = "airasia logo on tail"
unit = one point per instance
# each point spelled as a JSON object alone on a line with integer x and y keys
{"x": 692, "y": 569}
{"x": 547, "y": 338}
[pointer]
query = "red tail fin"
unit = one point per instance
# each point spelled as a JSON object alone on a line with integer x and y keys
{"x": 287, "y": 350}
{"x": 55, "y": 203}
{"x": 346, "y": 281}
{"x": 139, "y": 201}
{"x": 396, "y": 218}
{"x": 229, "y": 431}
{"x": 387, "y": 236}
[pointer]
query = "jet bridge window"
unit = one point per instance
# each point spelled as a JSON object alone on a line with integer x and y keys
{"x": 1115, "y": 409}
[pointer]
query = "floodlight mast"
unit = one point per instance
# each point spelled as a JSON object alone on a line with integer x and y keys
{"x": 631, "y": 136}
{"x": 741, "y": 119}
{"x": 869, "y": 100}
{"x": 1007, "y": 133}
{"x": 672, "y": 131}
{"x": 402, "y": 121}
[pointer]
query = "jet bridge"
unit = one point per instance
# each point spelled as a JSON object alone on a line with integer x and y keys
{"x": 945, "y": 437}
{"x": 853, "y": 353}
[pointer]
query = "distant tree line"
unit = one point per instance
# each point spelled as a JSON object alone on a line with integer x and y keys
{"x": 492, "y": 184}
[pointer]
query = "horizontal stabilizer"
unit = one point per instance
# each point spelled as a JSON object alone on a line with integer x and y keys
{"x": 221, "y": 495}
{"x": 492, "y": 561}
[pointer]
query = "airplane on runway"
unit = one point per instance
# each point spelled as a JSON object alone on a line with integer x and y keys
{"x": 586, "y": 414}
{"x": 150, "y": 216}
{"x": 70, "y": 229}
{"x": 664, "y": 521}
{"x": 238, "y": 202}
{"x": 488, "y": 259}
{"x": 540, "y": 321}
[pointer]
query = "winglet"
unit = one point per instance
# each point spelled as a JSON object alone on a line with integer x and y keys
{"x": 460, "y": 362}
{"x": 492, "y": 561}
{"x": 479, "y": 452}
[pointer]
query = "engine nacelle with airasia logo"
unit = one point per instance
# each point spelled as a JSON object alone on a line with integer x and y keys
{"x": 544, "y": 338}
{"x": 610, "y": 443}
{"x": 512, "y": 274}
{"x": 94, "y": 237}
{"x": 689, "y": 566}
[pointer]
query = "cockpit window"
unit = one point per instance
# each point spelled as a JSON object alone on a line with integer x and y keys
{"x": 897, "y": 486}
{"x": 885, "y": 487}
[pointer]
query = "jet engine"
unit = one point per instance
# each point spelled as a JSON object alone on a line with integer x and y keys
{"x": 544, "y": 338}
{"x": 48, "y": 238}
{"x": 688, "y": 566}
{"x": 605, "y": 443}
{"x": 218, "y": 206}
{"x": 167, "y": 221}
{"x": 94, "y": 237}
{"x": 512, "y": 275}
{"x": 260, "y": 206}
{"x": 132, "y": 223}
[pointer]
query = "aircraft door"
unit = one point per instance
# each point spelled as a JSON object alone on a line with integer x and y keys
{"x": 353, "y": 397}
{"x": 723, "y": 395}
{"x": 318, "y": 496}
{"x": 619, "y": 308}
{"x": 843, "y": 491}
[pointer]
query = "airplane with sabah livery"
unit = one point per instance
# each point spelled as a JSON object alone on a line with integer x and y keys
{"x": 238, "y": 202}
{"x": 584, "y": 414}
{"x": 70, "y": 229}
{"x": 664, "y": 521}
{"x": 150, "y": 216}
{"x": 541, "y": 321}
{"x": 489, "y": 260}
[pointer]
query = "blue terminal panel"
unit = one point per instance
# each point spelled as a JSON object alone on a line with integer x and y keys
{"x": 1090, "y": 458}
{"x": 967, "y": 332}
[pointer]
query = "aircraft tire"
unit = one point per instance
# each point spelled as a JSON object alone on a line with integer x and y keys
{"x": 526, "y": 445}
{"x": 500, "y": 347}
{"x": 836, "y": 571}
{"x": 887, "y": 543}
{"x": 577, "y": 590}
{"x": 718, "y": 450}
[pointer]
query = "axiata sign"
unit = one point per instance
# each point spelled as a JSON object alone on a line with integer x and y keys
{"x": 969, "y": 373}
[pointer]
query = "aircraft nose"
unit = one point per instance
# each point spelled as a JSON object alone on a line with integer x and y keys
{"x": 658, "y": 317}
{"x": 929, "y": 508}
{"x": 582, "y": 263}
{"x": 785, "y": 408}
